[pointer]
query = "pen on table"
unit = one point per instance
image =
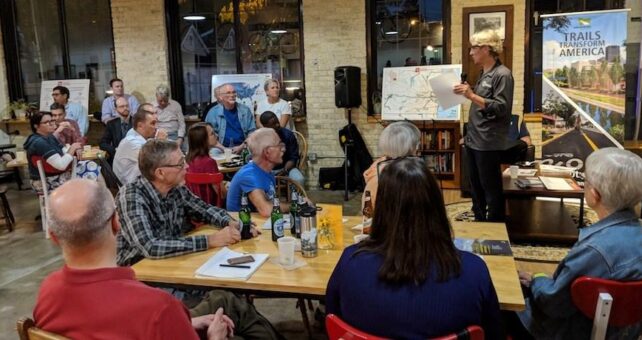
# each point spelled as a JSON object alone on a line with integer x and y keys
{"x": 234, "y": 266}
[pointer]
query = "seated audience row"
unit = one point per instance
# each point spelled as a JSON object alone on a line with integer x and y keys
{"x": 85, "y": 223}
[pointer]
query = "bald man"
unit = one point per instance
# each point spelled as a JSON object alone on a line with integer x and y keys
{"x": 91, "y": 297}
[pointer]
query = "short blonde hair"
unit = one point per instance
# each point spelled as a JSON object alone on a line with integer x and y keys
{"x": 488, "y": 38}
{"x": 399, "y": 139}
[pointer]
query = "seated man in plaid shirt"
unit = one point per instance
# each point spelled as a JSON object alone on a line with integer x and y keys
{"x": 156, "y": 210}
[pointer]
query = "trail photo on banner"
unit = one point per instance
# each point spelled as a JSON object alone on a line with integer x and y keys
{"x": 583, "y": 56}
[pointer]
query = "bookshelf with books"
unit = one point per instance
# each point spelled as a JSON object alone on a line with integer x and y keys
{"x": 440, "y": 149}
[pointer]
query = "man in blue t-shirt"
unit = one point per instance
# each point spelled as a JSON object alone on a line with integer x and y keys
{"x": 232, "y": 121}
{"x": 256, "y": 179}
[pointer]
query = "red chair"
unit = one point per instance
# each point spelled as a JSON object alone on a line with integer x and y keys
{"x": 203, "y": 185}
{"x": 337, "y": 330}
{"x": 607, "y": 302}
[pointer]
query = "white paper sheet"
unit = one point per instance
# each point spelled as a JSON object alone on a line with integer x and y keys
{"x": 213, "y": 266}
{"x": 442, "y": 86}
{"x": 555, "y": 183}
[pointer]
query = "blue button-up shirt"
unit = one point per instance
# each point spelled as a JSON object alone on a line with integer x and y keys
{"x": 609, "y": 249}
{"x": 109, "y": 110}
{"x": 216, "y": 117}
{"x": 75, "y": 111}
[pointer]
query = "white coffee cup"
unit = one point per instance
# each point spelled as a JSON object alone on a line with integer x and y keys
{"x": 286, "y": 250}
{"x": 514, "y": 171}
{"x": 228, "y": 154}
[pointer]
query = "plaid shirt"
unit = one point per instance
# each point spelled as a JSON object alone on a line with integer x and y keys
{"x": 153, "y": 226}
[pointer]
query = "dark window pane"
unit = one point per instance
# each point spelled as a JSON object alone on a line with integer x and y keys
{"x": 271, "y": 43}
{"x": 39, "y": 43}
{"x": 207, "y": 46}
{"x": 90, "y": 46}
{"x": 405, "y": 33}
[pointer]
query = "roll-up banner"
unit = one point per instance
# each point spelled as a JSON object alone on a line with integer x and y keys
{"x": 583, "y": 87}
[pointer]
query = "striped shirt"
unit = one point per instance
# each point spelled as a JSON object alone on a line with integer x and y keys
{"x": 153, "y": 226}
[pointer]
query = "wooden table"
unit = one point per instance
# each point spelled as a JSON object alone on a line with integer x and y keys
{"x": 528, "y": 219}
{"x": 86, "y": 155}
{"x": 224, "y": 169}
{"x": 312, "y": 279}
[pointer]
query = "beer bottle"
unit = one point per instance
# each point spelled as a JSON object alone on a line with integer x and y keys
{"x": 245, "y": 218}
{"x": 277, "y": 220}
{"x": 245, "y": 155}
{"x": 300, "y": 205}
{"x": 294, "y": 211}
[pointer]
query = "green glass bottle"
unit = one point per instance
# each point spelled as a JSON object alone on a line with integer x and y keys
{"x": 245, "y": 155}
{"x": 295, "y": 230}
{"x": 245, "y": 218}
{"x": 277, "y": 220}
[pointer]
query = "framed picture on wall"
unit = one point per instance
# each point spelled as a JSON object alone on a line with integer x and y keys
{"x": 492, "y": 20}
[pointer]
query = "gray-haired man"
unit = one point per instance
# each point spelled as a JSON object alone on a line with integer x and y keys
{"x": 156, "y": 210}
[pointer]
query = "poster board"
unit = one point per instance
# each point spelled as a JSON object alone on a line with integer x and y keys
{"x": 407, "y": 94}
{"x": 583, "y": 56}
{"x": 78, "y": 92}
{"x": 249, "y": 87}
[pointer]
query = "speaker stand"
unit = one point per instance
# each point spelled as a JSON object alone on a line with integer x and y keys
{"x": 346, "y": 164}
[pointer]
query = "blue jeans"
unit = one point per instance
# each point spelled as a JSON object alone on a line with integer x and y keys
{"x": 294, "y": 174}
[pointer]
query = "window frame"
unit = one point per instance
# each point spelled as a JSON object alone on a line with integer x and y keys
{"x": 175, "y": 62}
{"x": 371, "y": 59}
{"x": 12, "y": 50}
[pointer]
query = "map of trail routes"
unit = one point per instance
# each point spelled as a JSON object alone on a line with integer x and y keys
{"x": 407, "y": 93}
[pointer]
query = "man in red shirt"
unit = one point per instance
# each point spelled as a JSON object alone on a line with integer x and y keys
{"x": 91, "y": 297}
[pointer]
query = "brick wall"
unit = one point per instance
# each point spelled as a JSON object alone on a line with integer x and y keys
{"x": 140, "y": 42}
{"x": 333, "y": 38}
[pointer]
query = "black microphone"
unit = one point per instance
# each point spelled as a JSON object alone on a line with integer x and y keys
{"x": 464, "y": 76}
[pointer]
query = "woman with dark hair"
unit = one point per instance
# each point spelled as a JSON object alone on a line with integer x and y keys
{"x": 42, "y": 145}
{"x": 201, "y": 137}
{"x": 407, "y": 280}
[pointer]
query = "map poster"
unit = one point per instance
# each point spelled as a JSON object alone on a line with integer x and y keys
{"x": 407, "y": 94}
{"x": 249, "y": 87}
{"x": 583, "y": 101}
{"x": 78, "y": 92}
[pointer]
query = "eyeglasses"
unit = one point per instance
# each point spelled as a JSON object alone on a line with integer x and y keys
{"x": 475, "y": 47}
{"x": 389, "y": 160}
{"x": 179, "y": 165}
{"x": 50, "y": 122}
{"x": 280, "y": 145}
{"x": 55, "y": 94}
{"x": 230, "y": 93}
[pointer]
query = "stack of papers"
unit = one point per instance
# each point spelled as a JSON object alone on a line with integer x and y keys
{"x": 556, "y": 171}
{"x": 213, "y": 267}
{"x": 556, "y": 183}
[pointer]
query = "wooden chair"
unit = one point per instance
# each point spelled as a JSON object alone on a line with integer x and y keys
{"x": 27, "y": 330}
{"x": 284, "y": 184}
{"x": 204, "y": 185}
{"x": 303, "y": 150}
{"x": 607, "y": 302}
{"x": 338, "y": 329}
{"x": 5, "y": 208}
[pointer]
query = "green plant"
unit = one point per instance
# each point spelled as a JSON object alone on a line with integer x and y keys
{"x": 18, "y": 105}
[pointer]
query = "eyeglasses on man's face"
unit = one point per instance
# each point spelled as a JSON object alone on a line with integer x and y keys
{"x": 179, "y": 165}
{"x": 47, "y": 122}
{"x": 281, "y": 146}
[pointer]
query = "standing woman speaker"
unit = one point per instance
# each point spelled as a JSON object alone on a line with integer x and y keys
{"x": 488, "y": 125}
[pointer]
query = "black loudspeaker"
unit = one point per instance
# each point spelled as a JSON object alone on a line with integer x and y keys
{"x": 347, "y": 86}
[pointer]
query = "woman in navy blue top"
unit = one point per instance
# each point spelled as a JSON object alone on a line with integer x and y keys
{"x": 407, "y": 280}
